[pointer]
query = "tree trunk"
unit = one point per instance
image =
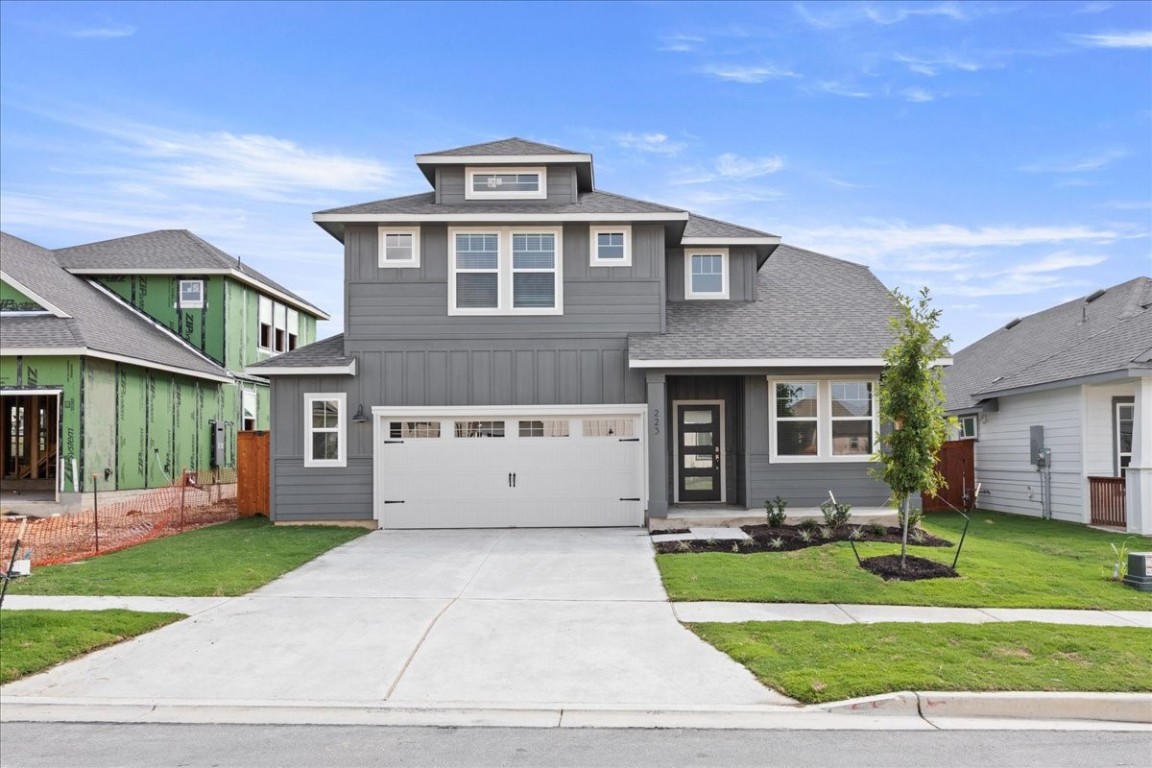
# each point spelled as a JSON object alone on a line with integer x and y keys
{"x": 904, "y": 539}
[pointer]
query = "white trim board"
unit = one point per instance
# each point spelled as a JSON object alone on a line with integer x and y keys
{"x": 563, "y": 159}
{"x": 305, "y": 370}
{"x": 772, "y": 362}
{"x": 767, "y": 240}
{"x": 87, "y": 352}
{"x": 493, "y": 218}
{"x": 19, "y": 286}
{"x": 233, "y": 273}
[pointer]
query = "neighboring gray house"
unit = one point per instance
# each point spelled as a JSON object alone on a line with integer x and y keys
{"x": 522, "y": 349}
{"x": 1075, "y": 381}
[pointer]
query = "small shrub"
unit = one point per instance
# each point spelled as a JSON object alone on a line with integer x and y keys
{"x": 825, "y": 532}
{"x": 856, "y": 533}
{"x": 776, "y": 542}
{"x": 775, "y": 511}
{"x": 684, "y": 546}
{"x": 878, "y": 529}
{"x": 836, "y": 513}
{"x": 808, "y": 524}
{"x": 806, "y": 535}
{"x": 914, "y": 518}
{"x": 1120, "y": 559}
{"x": 735, "y": 547}
{"x": 917, "y": 535}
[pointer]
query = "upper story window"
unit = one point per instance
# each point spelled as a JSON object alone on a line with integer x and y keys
{"x": 399, "y": 247}
{"x": 505, "y": 271}
{"x": 485, "y": 183}
{"x": 706, "y": 273}
{"x": 611, "y": 246}
{"x": 191, "y": 294}
{"x": 278, "y": 327}
{"x": 813, "y": 420}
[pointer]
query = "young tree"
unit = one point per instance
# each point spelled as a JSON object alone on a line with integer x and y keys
{"x": 912, "y": 402}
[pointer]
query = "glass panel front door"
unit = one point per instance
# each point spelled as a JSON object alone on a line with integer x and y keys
{"x": 698, "y": 452}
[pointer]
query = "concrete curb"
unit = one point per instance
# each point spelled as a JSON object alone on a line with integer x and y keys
{"x": 906, "y": 710}
{"x": 1037, "y": 705}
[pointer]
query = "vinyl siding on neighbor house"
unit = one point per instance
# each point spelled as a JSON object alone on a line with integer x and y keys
{"x": 1003, "y": 454}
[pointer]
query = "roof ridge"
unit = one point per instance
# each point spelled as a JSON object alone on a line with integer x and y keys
{"x": 207, "y": 247}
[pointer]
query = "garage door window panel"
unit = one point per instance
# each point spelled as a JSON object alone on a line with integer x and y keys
{"x": 548, "y": 428}
{"x": 479, "y": 429}
{"x": 413, "y": 429}
{"x": 325, "y": 432}
{"x": 609, "y": 428}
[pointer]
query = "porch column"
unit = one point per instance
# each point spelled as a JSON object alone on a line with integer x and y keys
{"x": 658, "y": 421}
{"x": 1139, "y": 482}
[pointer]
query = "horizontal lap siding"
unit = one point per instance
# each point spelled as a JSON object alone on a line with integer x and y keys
{"x": 1099, "y": 427}
{"x": 1010, "y": 481}
{"x": 807, "y": 485}
{"x": 315, "y": 494}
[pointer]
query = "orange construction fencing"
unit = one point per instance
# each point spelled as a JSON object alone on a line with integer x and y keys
{"x": 110, "y": 521}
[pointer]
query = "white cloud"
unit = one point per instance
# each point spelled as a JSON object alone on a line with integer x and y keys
{"x": 931, "y": 66}
{"x": 680, "y": 43}
{"x": 747, "y": 74}
{"x": 730, "y": 194}
{"x": 890, "y": 13}
{"x": 1128, "y": 205}
{"x": 1097, "y": 6}
{"x": 883, "y": 14}
{"x": 1082, "y": 165}
{"x": 1055, "y": 262}
{"x": 837, "y": 88}
{"x": 730, "y": 166}
{"x": 658, "y": 143}
{"x": 1132, "y": 39}
{"x": 918, "y": 95}
{"x": 106, "y": 31}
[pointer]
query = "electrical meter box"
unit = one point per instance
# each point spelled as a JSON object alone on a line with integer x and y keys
{"x": 219, "y": 444}
{"x": 1035, "y": 443}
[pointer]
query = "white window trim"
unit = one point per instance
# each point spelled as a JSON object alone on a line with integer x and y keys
{"x": 688, "y": 254}
{"x": 823, "y": 421}
{"x": 505, "y": 272}
{"x": 539, "y": 194}
{"x": 960, "y": 427}
{"x": 341, "y": 399}
{"x": 180, "y": 303}
{"x": 1117, "y": 454}
{"x": 594, "y": 248}
{"x": 409, "y": 263}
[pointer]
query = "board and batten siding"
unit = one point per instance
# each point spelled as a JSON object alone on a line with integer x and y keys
{"x": 741, "y": 273}
{"x": 1003, "y": 464}
{"x": 391, "y": 303}
{"x": 802, "y": 484}
{"x": 562, "y": 188}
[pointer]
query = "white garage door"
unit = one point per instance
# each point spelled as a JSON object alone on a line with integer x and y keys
{"x": 510, "y": 470}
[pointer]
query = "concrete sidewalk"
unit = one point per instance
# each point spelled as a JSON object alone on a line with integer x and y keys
{"x": 839, "y": 613}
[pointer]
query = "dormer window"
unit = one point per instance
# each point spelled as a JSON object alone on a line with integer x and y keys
{"x": 485, "y": 183}
{"x": 706, "y": 273}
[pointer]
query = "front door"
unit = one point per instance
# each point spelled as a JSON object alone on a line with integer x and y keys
{"x": 698, "y": 452}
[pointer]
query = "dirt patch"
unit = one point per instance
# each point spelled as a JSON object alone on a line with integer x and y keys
{"x": 788, "y": 538}
{"x": 888, "y": 568}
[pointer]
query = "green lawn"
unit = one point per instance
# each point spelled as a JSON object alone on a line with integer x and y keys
{"x": 816, "y": 662}
{"x": 226, "y": 559}
{"x": 32, "y": 641}
{"x": 1008, "y": 561}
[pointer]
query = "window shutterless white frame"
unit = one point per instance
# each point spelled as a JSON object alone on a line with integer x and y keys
{"x": 264, "y": 333}
{"x": 505, "y": 271}
{"x": 340, "y": 429}
{"x": 824, "y": 446}
{"x": 495, "y": 193}
{"x": 392, "y": 240}
{"x": 594, "y": 239}
{"x": 689, "y": 292}
{"x": 967, "y": 428}
{"x": 1124, "y": 412}
{"x": 191, "y": 294}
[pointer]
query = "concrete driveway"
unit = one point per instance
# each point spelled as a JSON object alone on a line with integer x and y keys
{"x": 510, "y": 617}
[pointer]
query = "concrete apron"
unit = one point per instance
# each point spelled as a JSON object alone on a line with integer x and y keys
{"x": 550, "y": 620}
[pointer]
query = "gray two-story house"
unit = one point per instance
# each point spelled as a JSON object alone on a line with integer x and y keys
{"x": 523, "y": 349}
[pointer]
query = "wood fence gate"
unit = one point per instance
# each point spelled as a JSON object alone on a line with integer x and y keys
{"x": 252, "y": 487}
{"x": 956, "y": 461}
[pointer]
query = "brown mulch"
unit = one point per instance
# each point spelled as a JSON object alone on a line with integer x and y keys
{"x": 916, "y": 568}
{"x": 788, "y": 538}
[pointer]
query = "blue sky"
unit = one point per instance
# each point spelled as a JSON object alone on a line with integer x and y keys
{"x": 1000, "y": 153}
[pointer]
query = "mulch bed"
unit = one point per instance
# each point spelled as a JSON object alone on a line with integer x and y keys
{"x": 787, "y": 538}
{"x": 888, "y": 568}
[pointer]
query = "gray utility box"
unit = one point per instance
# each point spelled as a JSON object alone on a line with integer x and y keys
{"x": 1139, "y": 571}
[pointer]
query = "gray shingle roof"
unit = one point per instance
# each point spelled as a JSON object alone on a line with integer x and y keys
{"x": 327, "y": 353}
{"x": 510, "y": 146}
{"x": 96, "y": 320}
{"x": 702, "y": 226}
{"x": 425, "y": 204}
{"x": 1068, "y": 341}
{"x": 808, "y": 306}
{"x": 164, "y": 249}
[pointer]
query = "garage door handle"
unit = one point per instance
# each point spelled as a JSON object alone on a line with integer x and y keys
{"x": 636, "y": 498}
{"x": 513, "y": 479}
{"x": 629, "y": 439}
{"x": 392, "y": 501}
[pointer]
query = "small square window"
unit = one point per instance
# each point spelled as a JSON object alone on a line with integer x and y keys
{"x": 399, "y": 248}
{"x": 706, "y": 274}
{"x": 966, "y": 428}
{"x": 611, "y": 246}
{"x": 191, "y": 294}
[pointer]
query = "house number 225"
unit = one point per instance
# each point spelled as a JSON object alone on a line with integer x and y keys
{"x": 655, "y": 421}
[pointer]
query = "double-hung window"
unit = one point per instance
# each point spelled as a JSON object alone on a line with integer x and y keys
{"x": 505, "y": 271}
{"x": 518, "y": 183}
{"x": 611, "y": 246}
{"x": 966, "y": 427}
{"x": 399, "y": 248}
{"x": 706, "y": 273}
{"x": 325, "y": 430}
{"x": 191, "y": 294}
{"x": 821, "y": 420}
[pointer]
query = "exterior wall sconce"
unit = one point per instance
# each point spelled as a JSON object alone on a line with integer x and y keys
{"x": 360, "y": 418}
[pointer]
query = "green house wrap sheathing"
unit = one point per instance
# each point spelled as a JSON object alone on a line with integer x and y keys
{"x": 12, "y": 300}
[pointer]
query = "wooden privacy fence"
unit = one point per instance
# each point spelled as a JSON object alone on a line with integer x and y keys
{"x": 956, "y": 462}
{"x": 252, "y": 487}
{"x": 1106, "y": 501}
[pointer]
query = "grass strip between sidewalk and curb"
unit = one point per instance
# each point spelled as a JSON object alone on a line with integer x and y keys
{"x": 1008, "y": 561}
{"x": 814, "y": 662}
{"x": 221, "y": 560}
{"x": 33, "y": 641}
